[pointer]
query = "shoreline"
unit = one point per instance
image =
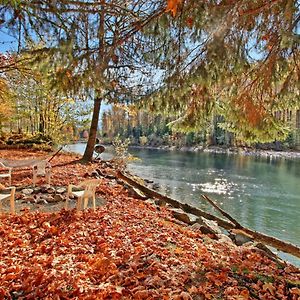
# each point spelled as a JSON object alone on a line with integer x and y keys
{"x": 244, "y": 151}
{"x": 231, "y": 151}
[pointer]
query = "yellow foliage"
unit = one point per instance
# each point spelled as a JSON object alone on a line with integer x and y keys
{"x": 130, "y": 109}
{"x": 5, "y": 103}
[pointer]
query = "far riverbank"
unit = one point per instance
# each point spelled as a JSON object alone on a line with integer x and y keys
{"x": 287, "y": 154}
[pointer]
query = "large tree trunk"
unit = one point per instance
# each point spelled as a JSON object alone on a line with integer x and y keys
{"x": 89, "y": 150}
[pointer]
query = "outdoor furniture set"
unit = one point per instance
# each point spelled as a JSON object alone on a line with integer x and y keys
{"x": 87, "y": 189}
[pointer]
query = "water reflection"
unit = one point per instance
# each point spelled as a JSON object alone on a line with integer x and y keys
{"x": 261, "y": 193}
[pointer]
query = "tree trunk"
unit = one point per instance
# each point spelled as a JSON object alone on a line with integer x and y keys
{"x": 89, "y": 150}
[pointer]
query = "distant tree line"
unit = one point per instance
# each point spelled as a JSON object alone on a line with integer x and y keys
{"x": 146, "y": 129}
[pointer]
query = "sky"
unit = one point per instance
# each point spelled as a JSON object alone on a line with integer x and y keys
{"x": 7, "y": 43}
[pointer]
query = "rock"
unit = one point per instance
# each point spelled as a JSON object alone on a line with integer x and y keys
{"x": 47, "y": 198}
{"x": 205, "y": 226}
{"x": 28, "y": 199}
{"x": 19, "y": 196}
{"x": 99, "y": 148}
{"x": 223, "y": 238}
{"x": 248, "y": 244}
{"x": 267, "y": 252}
{"x": 155, "y": 186}
{"x": 41, "y": 201}
{"x": 239, "y": 237}
{"x": 196, "y": 226}
{"x": 135, "y": 193}
{"x": 59, "y": 198}
{"x": 43, "y": 188}
{"x": 125, "y": 185}
{"x": 207, "y": 230}
{"x": 113, "y": 182}
{"x": 148, "y": 181}
{"x": 107, "y": 164}
{"x": 36, "y": 190}
{"x": 150, "y": 201}
{"x": 193, "y": 218}
{"x": 100, "y": 173}
{"x": 54, "y": 199}
{"x": 95, "y": 174}
{"x": 61, "y": 190}
{"x": 212, "y": 225}
{"x": 51, "y": 200}
{"x": 160, "y": 202}
{"x": 180, "y": 215}
{"x": 107, "y": 174}
{"x": 25, "y": 208}
{"x": 51, "y": 190}
{"x": 27, "y": 191}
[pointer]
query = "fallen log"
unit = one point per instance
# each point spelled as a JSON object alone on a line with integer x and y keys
{"x": 224, "y": 213}
{"x": 186, "y": 207}
{"x": 260, "y": 237}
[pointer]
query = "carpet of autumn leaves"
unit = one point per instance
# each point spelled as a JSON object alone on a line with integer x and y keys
{"x": 127, "y": 249}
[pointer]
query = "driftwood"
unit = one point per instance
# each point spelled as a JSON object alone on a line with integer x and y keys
{"x": 186, "y": 207}
{"x": 224, "y": 213}
{"x": 260, "y": 237}
{"x": 233, "y": 224}
{"x": 55, "y": 153}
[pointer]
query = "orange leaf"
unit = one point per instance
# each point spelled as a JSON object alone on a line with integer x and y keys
{"x": 245, "y": 294}
{"x": 190, "y": 22}
{"x": 268, "y": 286}
{"x": 295, "y": 291}
{"x": 172, "y": 6}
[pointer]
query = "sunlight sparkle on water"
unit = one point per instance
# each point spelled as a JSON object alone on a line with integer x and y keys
{"x": 220, "y": 187}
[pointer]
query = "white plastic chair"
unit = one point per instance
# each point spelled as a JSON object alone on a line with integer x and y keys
{"x": 83, "y": 196}
{"x": 42, "y": 168}
{"x": 6, "y": 175}
{"x": 11, "y": 197}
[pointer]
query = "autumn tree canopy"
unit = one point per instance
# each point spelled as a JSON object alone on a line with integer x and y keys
{"x": 239, "y": 59}
{"x": 8, "y": 64}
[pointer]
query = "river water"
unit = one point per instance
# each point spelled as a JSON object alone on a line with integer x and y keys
{"x": 261, "y": 193}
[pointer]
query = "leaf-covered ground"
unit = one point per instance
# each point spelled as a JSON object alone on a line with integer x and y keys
{"x": 127, "y": 249}
{"x": 65, "y": 168}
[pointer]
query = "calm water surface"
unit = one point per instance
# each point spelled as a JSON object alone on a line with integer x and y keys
{"x": 261, "y": 193}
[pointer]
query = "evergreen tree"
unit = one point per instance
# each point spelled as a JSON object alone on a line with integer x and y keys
{"x": 94, "y": 46}
{"x": 238, "y": 59}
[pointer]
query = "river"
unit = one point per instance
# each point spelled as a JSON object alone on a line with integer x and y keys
{"x": 261, "y": 193}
